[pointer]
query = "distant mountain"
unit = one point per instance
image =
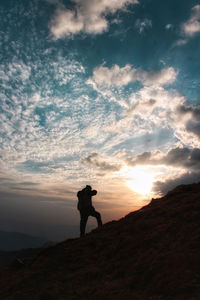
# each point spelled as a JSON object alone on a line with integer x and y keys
{"x": 14, "y": 241}
{"x": 152, "y": 253}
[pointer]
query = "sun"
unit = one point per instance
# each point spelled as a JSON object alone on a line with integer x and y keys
{"x": 140, "y": 180}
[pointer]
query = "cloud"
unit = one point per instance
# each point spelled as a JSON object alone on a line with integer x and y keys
{"x": 186, "y": 158}
{"x": 28, "y": 183}
{"x": 52, "y": 114}
{"x": 192, "y": 26}
{"x": 148, "y": 107}
{"x": 40, "y": 123}
{"x": 142, "y": 25}
{"x": 65, "y": 23}
{"x": 194, "y": 111}
{"x": 163, "y": 77}
{"x": 15, "y": 70}
{"x": 193, "y": 127}
{"x": 140, "y": 159}
{"x": 112, "y": 76}
{"x": 192, "y": 118}
{"x": 181, "y": 166}
{"x": 87, "y": 16}
{"x": 166, "y": 108}
{"x": 116, "y": 76}
{"x": 34, "y": 167}
{"x": 180, "y": 42}
{"x": 155, "y": 105}
{"x": 162, "y": 187}
{"x": 94, "y": 160}
{"x": 183, "y": 157}
{"x": 168, "y": 26}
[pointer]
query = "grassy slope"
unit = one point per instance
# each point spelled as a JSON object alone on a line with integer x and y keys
{"x": 153, "y": 253}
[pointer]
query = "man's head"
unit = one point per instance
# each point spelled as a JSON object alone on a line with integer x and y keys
{"x": 88, "y": 187}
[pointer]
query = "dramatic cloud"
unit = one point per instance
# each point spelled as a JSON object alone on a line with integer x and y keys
{"x": 183, "y": 167}
{"x": 87, "y": 16}
{"x": 166, "y": 107}
{"x": 193, "y": 127}
{"x": 194, "y": 111}
{"x": 43, "y": 129}
{"x": 152, "y": 106}
{"x": 192, "y": 118}
{"x": 122, "y": 76}
{"x": 162, "y": 187}
{"x": 192, "y": 26}
{"x": 186, "y": 158}
{"x": 89, "y": 110}
{"x": 95, "y": 161}
{"x": 183, "y": 157}
{"x": 141, "y": 159}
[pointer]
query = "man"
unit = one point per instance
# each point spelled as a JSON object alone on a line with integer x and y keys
{"x": 86, "y": 209}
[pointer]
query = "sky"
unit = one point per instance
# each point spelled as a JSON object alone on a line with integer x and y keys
{"x": 96, "y": 92}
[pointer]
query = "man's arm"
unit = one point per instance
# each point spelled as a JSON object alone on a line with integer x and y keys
{"x": 93, "y": 193}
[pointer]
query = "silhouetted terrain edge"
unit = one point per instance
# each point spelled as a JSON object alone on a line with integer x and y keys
{"x": 152, "y": 253}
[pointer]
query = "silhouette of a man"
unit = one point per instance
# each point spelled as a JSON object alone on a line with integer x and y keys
{"x": 86, "y": 209}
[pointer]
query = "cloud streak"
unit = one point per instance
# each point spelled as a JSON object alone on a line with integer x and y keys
{"x": 120, "y": 76}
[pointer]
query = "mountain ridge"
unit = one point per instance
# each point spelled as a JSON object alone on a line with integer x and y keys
{"x": 14, "y": 241}
{"x": 151, "y": 253}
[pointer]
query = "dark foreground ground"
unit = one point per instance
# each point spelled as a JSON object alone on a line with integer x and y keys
{"x": 153, "y": 253}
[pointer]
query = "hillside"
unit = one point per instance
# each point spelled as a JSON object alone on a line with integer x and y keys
{"x": 152, "y": 253}
{"x": 26, "y": 255}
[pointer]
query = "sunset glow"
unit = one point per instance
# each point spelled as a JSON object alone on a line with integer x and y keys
{"x": 140, "y": 181}
{"x": 96, "y": 92}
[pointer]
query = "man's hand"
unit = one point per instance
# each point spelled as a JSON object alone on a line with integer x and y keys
{"x": 94, "y": 192}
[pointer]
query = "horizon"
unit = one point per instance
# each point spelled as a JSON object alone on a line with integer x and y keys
{"x": 105, "y": 94}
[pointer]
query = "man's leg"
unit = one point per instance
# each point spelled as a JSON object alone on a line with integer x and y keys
{"x": 83, "y": 222}
{"x": 96, "y": 215}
